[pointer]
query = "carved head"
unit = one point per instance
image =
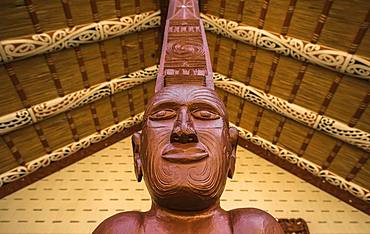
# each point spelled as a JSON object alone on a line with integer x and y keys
{"x": 186, "y": 149}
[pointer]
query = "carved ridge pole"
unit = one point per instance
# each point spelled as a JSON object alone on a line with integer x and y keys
{"x": 185, "y": 55}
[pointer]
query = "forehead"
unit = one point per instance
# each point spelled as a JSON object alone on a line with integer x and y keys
{"x": 185, "y": 95}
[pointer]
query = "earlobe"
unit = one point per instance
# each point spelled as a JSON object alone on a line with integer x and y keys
{"x": 136, "y": 146}
{"x": 233, "y": 132}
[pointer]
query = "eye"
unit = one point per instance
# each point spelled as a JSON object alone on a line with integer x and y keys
{"x": 163, "y": 115}
{"x": 205, "y": 115}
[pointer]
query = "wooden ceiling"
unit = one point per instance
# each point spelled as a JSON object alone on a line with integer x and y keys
{"x": 294, "y": 75}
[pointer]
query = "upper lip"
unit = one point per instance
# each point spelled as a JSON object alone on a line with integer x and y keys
{"x": 184, "y": 153}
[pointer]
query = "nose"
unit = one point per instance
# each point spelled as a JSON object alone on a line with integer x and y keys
{"x": 183, "y": 130}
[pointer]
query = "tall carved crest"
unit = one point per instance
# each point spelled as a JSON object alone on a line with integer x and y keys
{"x": 185, "y": 56}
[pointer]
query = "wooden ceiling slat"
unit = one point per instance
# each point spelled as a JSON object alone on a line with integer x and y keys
{"x": 131, "y": 102}
{"x": 126, "y": 66}
{"x": 53, "y": 72}
{"x": 138, "y": 99}
{"x": 104, "y": 61}
{"x": 360, "y": 111}
{"x": 141, "y": 51}
{"x": 82, "y": 68}
{"x": 321, "y": 21}
{"x": 13, "y": 149}
{"x": 230, "y": 70}
{"x": 240, "y": 112}
{"x": 17, "y": 85}
{"x": 28, "y": 143}
{"x": 261, "y": 22}
{"x": 81, "y": 62}
{"x": 239, "y": 10}
{"x": 361, "y": 162}
{"x": 86, "y": 83}
{"x": 72, "y": 126}
{"x": 33, "y": 16}
{"x": 8, "y": 158}
{"x": 332, "y": 155}
{"x": 103, "y": 112}
{"x": 95, "y": 117}
{"x": 360, "y": 34}
{"x": 362, "y": 176}
{"x": 354, "y": 45}
{"x": 221, "y": 12}
{"x": 23, "y": 97}
{"x": 326, "y": 124}
{"x": 315, "y": 37}
{"x": 124, "y": 55}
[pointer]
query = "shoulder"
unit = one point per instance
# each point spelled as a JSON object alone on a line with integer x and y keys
{"x": 126, "y": 222}
{"x": 252, "y": 220}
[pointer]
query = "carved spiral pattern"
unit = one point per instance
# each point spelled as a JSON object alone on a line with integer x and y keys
{"x": 14, "y": 120}
{"x": 332, "y": 59}
{"x": 16, "y": 49}
{"x": 44, "y": 110}
{"x": 66, "y": 151}
{"x": 180, "y": 49}
{"x": 322, "y": 123}
{"x": 311, "y": 167}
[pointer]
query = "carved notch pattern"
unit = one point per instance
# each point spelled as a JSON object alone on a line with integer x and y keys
{"x": 329, "y": 58}
{"x": 16, "y": 49}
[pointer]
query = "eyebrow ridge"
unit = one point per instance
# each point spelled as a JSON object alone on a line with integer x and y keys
{"x": 161, "y": 104}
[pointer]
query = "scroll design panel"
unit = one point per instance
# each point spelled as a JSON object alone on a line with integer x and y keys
{"x": 20, "y": 48}
{"x": 36, "y": 113}
{"x": 300, "y": 114}
{"x": 44, "y": 161}
{"x": 311, "y": 167}
{"x": 329, "y": 58}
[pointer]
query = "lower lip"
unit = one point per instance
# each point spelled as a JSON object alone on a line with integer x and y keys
{"x": 184, "y": 157}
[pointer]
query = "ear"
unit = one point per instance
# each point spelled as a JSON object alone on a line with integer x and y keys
{"x": 136, "y": 147}
{"x": 233, "y": 132}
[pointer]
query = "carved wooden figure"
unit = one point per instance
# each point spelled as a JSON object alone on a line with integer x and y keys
{"x": 186, "y": 149}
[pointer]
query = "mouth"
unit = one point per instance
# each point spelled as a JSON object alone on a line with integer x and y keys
{"x": 184, "y": 153}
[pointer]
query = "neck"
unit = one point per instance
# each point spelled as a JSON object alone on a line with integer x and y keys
{"x": 176, "y": 215}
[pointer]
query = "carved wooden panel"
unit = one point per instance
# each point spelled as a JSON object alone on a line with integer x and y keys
{"x": 185, "y": 56}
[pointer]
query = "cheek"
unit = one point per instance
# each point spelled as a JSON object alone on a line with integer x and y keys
{"x": 161, "y": 124}
{"x": 155, "y": 139}
{"x": 212, "y": 138}
{"x": 208, "y": 124}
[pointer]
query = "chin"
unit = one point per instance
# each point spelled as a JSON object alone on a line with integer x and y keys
{"x": 183, "y": 193}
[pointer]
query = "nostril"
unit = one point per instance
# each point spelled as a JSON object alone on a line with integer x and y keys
{"x": 175, "y": 138}
{"x": 183, "y": 138}
{"x": 192, "y": 138}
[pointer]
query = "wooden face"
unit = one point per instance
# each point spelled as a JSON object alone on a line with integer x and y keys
{"x": 185, "y": 147}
